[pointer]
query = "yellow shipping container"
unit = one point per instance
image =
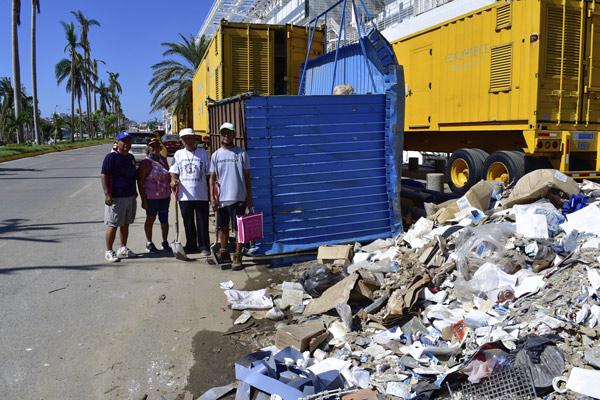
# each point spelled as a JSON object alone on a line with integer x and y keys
{"x": 250, "y": 57}
{"x": 513, "y": 78}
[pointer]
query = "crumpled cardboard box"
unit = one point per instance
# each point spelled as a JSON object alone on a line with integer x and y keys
{"x": 478, "y": 196}
{"x": 303, "y": 337}
{"x": 538, "y": 184}
{"x": 328, "y": 254}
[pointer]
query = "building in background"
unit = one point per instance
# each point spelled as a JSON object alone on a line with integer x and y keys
{"x": 394, "y": 18}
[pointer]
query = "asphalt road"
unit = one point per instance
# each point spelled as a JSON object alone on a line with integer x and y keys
{"x": 73, "y": 326}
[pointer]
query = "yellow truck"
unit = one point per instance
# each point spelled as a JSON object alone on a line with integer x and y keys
{"x": 506, "y": 88}
{"x": 247, "y": 58}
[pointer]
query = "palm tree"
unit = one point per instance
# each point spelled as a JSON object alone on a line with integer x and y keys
{"x": 104, "y": 94}
{"x": 7, "y": 95}
{"x": 71, "y": 46}
{"x": 75, "y": 84}
{"x": 85, "y": 27}
{"x": 35, "y": 6}
{"x": 6, "y": 102}
{"x": 57, "y": 125}
{"x": 95, "y": 79}
{"x": 16, "y": 21}
{"x": 109, "y": 123}
{"x": 115, "y": 89}
{"x": 172, "y": 79}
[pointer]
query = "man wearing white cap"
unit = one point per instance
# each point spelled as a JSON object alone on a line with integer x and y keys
{"x": 189, "y": 179}
{"x": 230, "y": 171}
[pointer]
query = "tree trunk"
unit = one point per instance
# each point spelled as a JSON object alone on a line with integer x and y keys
{"x": 16, "y": 8}
{"x": 95, "y": 104}
{"x": 72, "y": 96}
{"x": 80, "y": 117}
{"x": 36, "y": 113}
{"x": 88, "y": 99}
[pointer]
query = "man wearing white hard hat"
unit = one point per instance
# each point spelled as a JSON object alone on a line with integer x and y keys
{"x": 230, "y": 173}
{"x": 189, "y": 180}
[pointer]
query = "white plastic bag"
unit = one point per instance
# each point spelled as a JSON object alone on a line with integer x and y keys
{"x": 243, "y": 299}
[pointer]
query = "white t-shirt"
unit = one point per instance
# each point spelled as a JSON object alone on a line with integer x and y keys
{"x": 192, "y": 168}
{"x": 229, "y": 166}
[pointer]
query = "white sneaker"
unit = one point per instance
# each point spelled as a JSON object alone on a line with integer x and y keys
{"x": 124, "y": 252}
{"x": 111, "y": 257}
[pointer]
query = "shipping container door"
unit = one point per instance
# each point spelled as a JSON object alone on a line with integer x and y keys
{"x": 250, "y": 67}
{"x": 297, "y": 44}
{"x": 591, "y": 76}
{"x": 419, "y": 90}
{"x": 560, "y": 82}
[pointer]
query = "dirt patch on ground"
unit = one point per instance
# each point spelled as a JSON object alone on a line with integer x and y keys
{"x": 216, "y": 352}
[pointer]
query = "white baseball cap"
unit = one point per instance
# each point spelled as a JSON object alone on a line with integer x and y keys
{"x": 186, "y": 132}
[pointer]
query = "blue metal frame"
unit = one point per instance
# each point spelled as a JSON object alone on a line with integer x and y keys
{"x": 342, "y": 26}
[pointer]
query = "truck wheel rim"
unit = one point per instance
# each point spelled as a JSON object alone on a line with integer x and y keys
{"x": 498, "y": 171}
{"x": 459, "y": 172}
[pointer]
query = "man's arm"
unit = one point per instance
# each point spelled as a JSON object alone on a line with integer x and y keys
{"x": 108, "y": 200}
{"x": 175, "y": 184}
{"x": 248, "y": 189}
{"x": 212, "y": 181}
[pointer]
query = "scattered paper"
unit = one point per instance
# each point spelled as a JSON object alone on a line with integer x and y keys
{"x": 397, "y": 389}
{"x": 226, "y": 285}
{"x": 585, "y": 220}
{"x": 584, "y": 381}
{"x": 530, "y": 284}
{"x": 532, "y": 225}
{"x": 594, "y": 278}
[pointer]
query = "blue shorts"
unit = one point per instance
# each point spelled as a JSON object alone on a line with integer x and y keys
{"x": 157, "y": 205}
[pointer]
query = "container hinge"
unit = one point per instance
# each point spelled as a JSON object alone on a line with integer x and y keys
{"x": 591, "y": 89}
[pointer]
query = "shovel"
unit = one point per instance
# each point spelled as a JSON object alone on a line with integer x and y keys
{"x": 213, "y": 255}
{"x": 178, "y": 251}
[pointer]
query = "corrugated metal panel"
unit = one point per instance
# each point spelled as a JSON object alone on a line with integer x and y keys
{"x": 323, "y": 168}
{"x": 364, "y": 73}
{"x": 228, "y": 110}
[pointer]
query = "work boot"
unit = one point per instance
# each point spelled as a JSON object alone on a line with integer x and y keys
{"x": 236, "y": 265}
{"x": 223, "y": 257}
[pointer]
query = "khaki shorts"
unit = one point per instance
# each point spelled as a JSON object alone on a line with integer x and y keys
{"x": 122, "y": 212}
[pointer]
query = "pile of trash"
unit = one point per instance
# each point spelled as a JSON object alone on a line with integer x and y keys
{"x": 491, "y": 296}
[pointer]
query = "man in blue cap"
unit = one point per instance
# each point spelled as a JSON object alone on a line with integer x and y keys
{"x": 120, "y": 193}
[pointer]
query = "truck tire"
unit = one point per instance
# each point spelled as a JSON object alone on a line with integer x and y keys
{"x": 465, "y": 169}
{"x": 505, "y": 166}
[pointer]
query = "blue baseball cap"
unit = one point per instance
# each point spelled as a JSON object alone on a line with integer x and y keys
{"x": 123, "y": 135}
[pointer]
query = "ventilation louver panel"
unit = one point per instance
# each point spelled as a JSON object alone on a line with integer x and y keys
{"x": 503, "y": 17}
{"x": 554, "y": 55}
{"x": 501, "y": 67}
{"x": 239, "y": 65}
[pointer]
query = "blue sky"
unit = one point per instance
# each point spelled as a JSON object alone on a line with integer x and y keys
{"x": 128, "y": 40}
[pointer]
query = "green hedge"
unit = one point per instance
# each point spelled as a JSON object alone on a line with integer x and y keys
{"x": 14, "y": 151}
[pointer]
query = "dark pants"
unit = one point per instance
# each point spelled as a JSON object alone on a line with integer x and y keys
{"x": 196, "y": 226}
